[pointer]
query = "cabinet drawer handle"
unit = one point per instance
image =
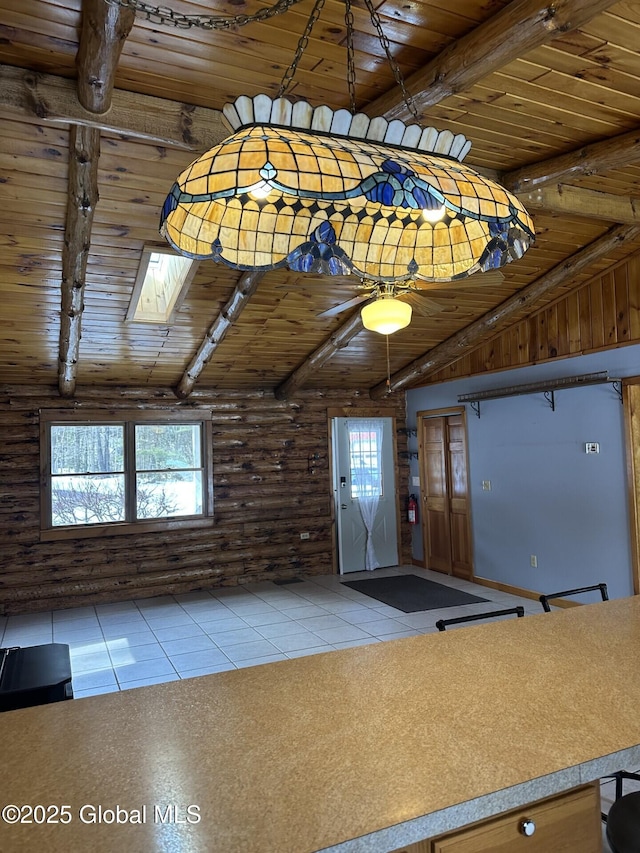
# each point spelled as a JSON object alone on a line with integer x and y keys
{"x": 527, "y": 827}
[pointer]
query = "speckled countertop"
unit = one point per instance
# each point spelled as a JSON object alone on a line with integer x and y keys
{"x": 383, "y": 744}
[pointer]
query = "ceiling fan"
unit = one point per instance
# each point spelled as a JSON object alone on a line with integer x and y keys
{"x": 388, "y": 307}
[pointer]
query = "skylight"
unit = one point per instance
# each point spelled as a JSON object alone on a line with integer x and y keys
{"x": 161, "y": 284}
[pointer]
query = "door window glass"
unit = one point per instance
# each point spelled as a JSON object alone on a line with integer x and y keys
{"x": 365, "y": 462}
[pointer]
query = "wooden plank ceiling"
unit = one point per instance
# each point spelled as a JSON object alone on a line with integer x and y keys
{"x": 549, "y": 94}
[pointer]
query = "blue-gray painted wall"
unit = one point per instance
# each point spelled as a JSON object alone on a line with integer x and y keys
{"x": 548, "y": 496}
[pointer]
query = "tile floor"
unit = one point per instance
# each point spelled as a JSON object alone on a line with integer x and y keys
{"x": 134, "y": 643}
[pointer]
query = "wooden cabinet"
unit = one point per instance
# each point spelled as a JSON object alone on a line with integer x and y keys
{"x": 567, "y": 823}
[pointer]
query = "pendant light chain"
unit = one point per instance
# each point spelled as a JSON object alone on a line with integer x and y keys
{"x": 351, "y": 68}
{"x": 397, "y": 74}
{"x": 300, "y": 49}
{"x": 164, "y": 15}
{"x": 351, "y": 65}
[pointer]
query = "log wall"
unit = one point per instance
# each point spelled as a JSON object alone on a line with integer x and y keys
{"x": 264, "y": 497}
{"x": 601, "y": 314}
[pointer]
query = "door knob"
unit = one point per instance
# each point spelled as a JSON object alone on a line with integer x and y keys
{"x": 343, "y": 506}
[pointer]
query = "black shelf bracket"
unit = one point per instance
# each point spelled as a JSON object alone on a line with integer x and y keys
{"x": 408, "y": 454}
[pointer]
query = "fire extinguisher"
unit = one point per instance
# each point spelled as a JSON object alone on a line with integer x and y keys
{"x": 412, "y": 510}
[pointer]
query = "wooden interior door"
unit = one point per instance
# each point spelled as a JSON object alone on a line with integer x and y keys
{"x": 457, "y": 481}
{"x": 435, "y": 495}
{"x": 445, "y": 494}
{"x": 631, "y": 400}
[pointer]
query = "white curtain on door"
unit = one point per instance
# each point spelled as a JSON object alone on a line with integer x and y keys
{"x": 365, "y": 456}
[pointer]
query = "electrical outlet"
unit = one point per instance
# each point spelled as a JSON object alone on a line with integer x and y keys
{"x": 534, "y": 561}
{"x": 486, "y": 485}
{"x": 305, "y": 535}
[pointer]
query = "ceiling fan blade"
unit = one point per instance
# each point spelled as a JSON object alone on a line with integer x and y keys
{"x": 421, "y": 303}
{"x": 491, "y": 278}
{"x": 312, "y": 280}
{"x": 344, "y": 306}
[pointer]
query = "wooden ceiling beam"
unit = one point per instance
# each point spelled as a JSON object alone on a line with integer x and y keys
{"x": 513, "y": 31}
{"x": 498, "y": 318}
{"x": 591, "y": 204}
{"x": 104, "y": 31}
{"x": 218, "y": 330}
{"x": 84, "y": 153}
{"x": 615, "y": 153}
{"x": 336, "y": 341}
{"x": 54, "y": 100}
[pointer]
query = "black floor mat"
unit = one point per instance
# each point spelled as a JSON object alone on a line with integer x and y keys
{"x": 411, "y": 593}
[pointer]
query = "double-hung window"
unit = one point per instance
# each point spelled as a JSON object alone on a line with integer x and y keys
{"x": 124, "y": 473}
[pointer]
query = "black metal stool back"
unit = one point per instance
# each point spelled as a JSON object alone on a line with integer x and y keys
{"x": 441, "y": 624}
{"x": 623, "y": 821}
{"x": 544, "y": 599}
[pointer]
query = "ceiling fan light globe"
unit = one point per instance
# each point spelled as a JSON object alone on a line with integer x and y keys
{"x": 386, "y": 316}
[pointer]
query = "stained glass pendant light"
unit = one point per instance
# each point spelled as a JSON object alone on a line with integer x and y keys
{"x": 336, "y": 192}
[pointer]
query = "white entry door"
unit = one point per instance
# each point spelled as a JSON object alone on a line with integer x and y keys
{"x": 364, "y": 470}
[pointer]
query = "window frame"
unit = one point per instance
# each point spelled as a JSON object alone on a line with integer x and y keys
{"x": 148, "y": 250}
{"x": 129, "y": 419}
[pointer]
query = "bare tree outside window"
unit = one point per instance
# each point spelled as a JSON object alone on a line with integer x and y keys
{"x": 90, "y": 471}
